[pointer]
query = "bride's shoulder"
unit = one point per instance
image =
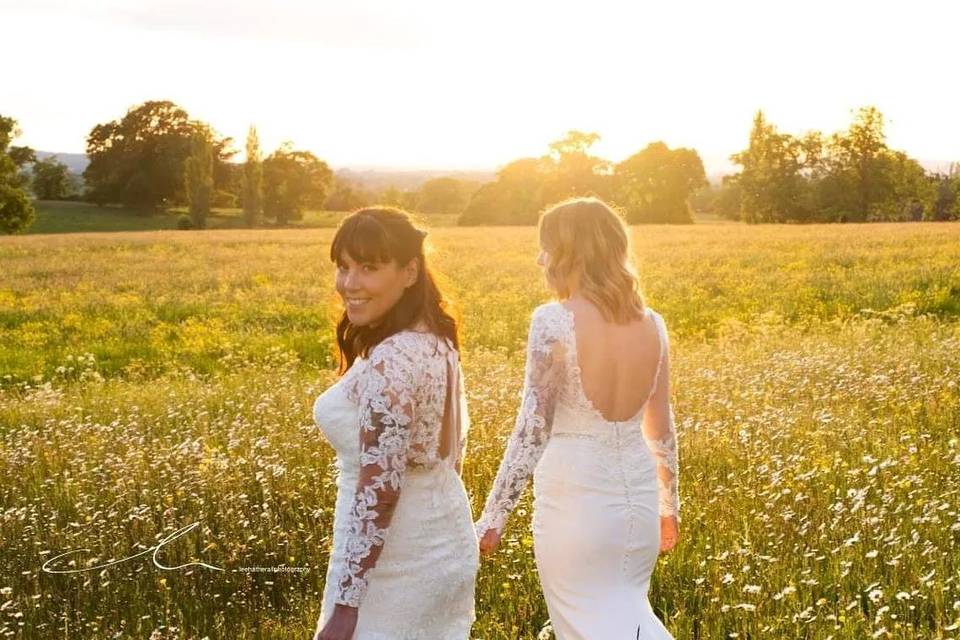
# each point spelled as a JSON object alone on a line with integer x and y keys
{"x": 403, "y": 345}
{"x": 549, "y": 311}
{"x": 659, "y": 323}
{"x": 550, "y": 319}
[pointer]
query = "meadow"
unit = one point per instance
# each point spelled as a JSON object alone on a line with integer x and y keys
{"x": 153, "y": 381}
{"x": 64, "y": 216}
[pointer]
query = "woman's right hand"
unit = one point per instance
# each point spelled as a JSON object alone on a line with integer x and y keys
{"x": 341, "y": 625}
{"x": 489, "y": 542}
{"x": 669, "y": 532}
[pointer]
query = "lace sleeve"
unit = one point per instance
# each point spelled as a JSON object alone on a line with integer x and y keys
{"x": 660, "y": 431}
{"x": 386, "y": 418}
{"x": 542, "y": 379}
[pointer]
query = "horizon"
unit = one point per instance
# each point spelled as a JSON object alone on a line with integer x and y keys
{"x": 712, "y": 175}
{"x": 476, "y": 100}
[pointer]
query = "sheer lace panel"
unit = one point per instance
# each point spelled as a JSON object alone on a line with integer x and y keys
{"x": 659, "y": 429}
{"x": 544, "y": 376}
{"x": 387, "y": 405}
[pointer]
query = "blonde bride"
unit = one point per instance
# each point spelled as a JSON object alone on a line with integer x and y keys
{"x": 596, "y": 431}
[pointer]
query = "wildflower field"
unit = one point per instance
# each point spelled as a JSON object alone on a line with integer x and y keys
{"x": 156, "y": 389}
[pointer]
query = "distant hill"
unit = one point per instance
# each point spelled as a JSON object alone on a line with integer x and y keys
{"x": 76, "y": 162}
{"x": 374, "y": 179}
{"x": 407, "y": 180}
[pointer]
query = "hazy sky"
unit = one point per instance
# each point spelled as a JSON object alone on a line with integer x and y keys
{"x": 451, "y": 84}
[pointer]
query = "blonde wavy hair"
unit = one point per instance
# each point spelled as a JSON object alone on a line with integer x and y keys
{"x": 588, "y": 240}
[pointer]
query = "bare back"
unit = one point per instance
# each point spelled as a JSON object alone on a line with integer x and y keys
{"x": 618, "y": 362}
{"x": 587, "y": 379}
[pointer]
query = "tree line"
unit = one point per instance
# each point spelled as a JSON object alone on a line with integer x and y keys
{"x": 156, "y": 157}
{"x": 848, "y": 176}
{"x": 653, "y": 185}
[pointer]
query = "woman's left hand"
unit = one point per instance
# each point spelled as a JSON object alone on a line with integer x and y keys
{"x": 341, "y": 624}
{"x": 489, "y": 542}
{"x": 669, "y": 533}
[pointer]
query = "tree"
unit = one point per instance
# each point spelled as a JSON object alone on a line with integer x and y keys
{"x": 729, "y": 197}
{"x": 515, "y": 197}
{"x": 21, "y": 157}
{"x": 396, "y": 197}
{"x": 227, "y": 184}
{"x": 198, "y": 178}
{"x": 391, "y": 196}
{"x": 443, "y": 195}
{"x": 573, "y": 143}
{"x": 577, "y": 173}
{"x": 345, "y": 196}
{"x": 253, "y": 180}
{"x": 774, "y": 181}
{"x": 51, "y": 179}
{"x": 907, "y": 191}
{"x": 945, "y": 203}
{"x": 291, "y": 180}
{"x": 858, "y": 155}
{"x": 525, "y": 186}
{"x": 851, "y": 176}
{"x": 655, "y": 184}
{"x": 139, "y": 159}
{"x": 16, "y": 211}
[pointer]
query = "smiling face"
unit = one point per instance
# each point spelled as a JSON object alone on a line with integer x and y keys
{"x": 370, "y": 289}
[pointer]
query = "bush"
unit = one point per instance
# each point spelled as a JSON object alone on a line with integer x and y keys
{"x": 16, "y": 210}
{"x": 184, "y": 222}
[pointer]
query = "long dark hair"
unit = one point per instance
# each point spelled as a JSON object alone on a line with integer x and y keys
{"x": 384, "y": 234}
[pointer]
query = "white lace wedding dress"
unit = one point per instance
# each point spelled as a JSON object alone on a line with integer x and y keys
{"x": 404, "y": 546}
{"x": 599, "y": 489}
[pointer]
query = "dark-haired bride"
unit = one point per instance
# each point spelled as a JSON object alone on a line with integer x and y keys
{"x": 405, "y": 554}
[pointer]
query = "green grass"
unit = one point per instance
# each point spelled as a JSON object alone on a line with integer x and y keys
{"x": 73, "y": 217}
{"x": 77, "y": 217}
{"x": 149, "y": 381}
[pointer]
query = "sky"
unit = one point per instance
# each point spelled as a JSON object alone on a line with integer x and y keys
{"x": 450, "y": 84}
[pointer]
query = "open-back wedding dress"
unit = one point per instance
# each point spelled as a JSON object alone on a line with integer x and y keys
{"x": 404, "y": 547}
{"x": 600, "y": 488}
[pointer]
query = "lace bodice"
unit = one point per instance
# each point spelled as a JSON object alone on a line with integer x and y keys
{"x": 553, "y": 402}
{"x": 411, "y": 413}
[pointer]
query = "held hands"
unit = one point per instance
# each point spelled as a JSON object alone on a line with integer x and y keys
{"x": 489, "y": 542}
{"x": 669, "y": 532}
{"x": 341, "y": 624}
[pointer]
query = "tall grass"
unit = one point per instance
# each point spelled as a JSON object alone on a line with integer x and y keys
{"x": 152, "y": 381}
